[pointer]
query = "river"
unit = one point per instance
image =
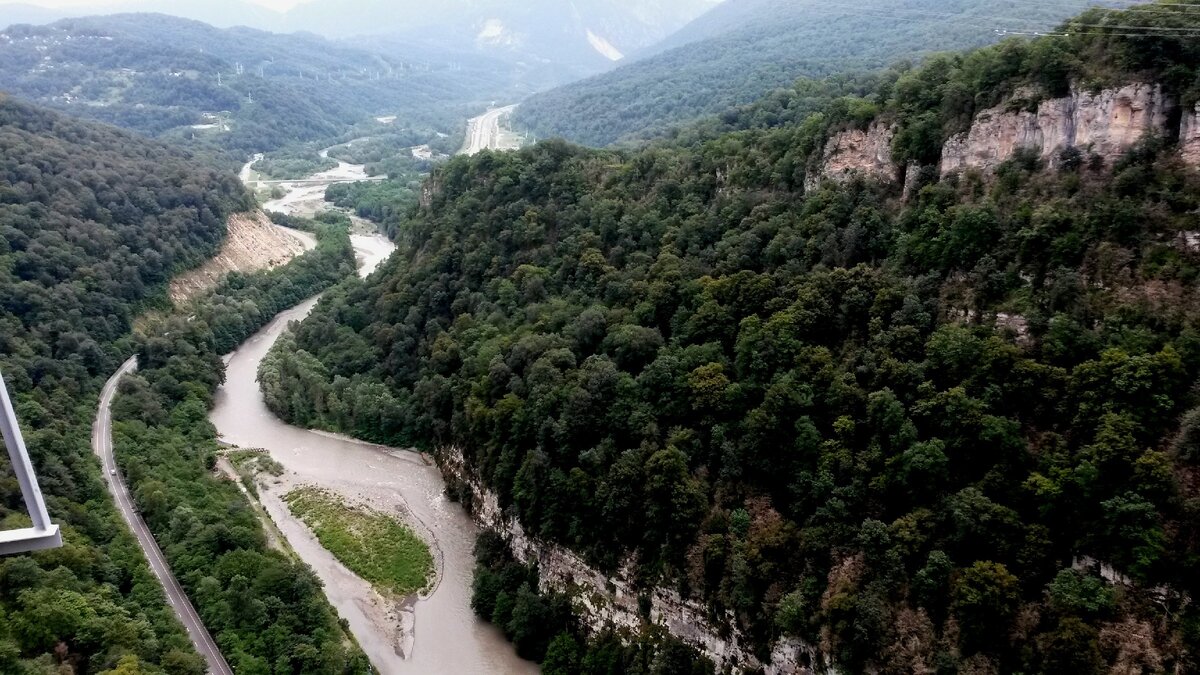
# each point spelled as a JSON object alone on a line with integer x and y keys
{"x": 305, "y": 197}
{"x": 432, "y": 635}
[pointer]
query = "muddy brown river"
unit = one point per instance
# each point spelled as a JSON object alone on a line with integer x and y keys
{"x": 431, "y": 635}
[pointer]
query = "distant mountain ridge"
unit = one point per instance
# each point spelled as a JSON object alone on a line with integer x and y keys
{"x": 217, "y": 13}
{"x": 22, "y": 13}
{"x": 241, "y": 88}
{"x": 743, "y": 49}
{"x": 561, "y": 40}
{"x": 570, "y": 39}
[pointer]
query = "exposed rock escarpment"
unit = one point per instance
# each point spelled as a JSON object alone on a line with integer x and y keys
{"x": 1104, "y": 124}
{"x": 1189, "y": 136}
{"x": 857, "y": 152}
{"x": 606, "y": 600}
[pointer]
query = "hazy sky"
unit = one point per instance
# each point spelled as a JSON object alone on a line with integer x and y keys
{"x": 280, "y": 5}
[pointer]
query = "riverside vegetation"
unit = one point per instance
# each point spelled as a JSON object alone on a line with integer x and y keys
{"x": 373, "y": 545}
{"x": 265, "y": 610}
{"x": 885, "y": 426}
{"x": 93, "y": 224}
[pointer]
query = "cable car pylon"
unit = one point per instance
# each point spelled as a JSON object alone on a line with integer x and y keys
{"x": 43, "y": 534}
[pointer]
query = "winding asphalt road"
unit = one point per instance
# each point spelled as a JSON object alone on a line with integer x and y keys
{"x": 103, "y": 447}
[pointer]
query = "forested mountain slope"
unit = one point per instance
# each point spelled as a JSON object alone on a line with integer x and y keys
{"x": 219, "y": 13}
{"x": 239, "y": 89}
{"x": 93, "y": 222}
{"x": 895, "y": 429}
{"x": 745, "y": 48}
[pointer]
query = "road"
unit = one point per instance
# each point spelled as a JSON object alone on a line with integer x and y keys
{"x": 103, "y": 447}
{"x": 483, "y": 132}
{"x": 245, "y": 172}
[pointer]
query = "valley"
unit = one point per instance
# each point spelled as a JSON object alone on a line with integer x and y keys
{"x": 435, "y": 633}
{"x": 836, "y": 353}
{"x": 305, "y": 197}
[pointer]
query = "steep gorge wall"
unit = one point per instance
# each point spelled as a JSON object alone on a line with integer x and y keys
{"x": 1189, "y": 136}
{"x": 1106, "y": 124}
{"x": 606, "y": 600}
{"x": 853, "y": 152}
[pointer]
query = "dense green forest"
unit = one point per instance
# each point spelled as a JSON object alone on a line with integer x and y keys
{"x": 93, "y": 222}
{"x": 187, "y": 81}
{"x": 741, "y": 51}
{"x": 391, "y": 153}
{"x": 387, "y": 203}
{"x": 887, "y": 427}
{"x": 293, "y": 164}
{"x": 264, "y": 608}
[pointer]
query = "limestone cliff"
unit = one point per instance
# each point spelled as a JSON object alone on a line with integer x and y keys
{"x": 857, "y": 152}
{"x": 1104, "y": 123}
{"x": 1189, "y": 136}
{"x": 605, "y": 600}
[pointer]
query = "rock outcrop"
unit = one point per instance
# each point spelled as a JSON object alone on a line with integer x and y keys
{"x": 252, "y": 243}
{"x": 1189, "y": 136}
{"x": 857, "y": 152}
{"x": 605, "y": 600}
{"x": 1106, "y": 124}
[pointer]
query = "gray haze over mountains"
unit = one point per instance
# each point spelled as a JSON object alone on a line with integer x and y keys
{"x": 578, "y": 37}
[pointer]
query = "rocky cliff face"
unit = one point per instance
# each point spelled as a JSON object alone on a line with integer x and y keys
{"x": 1189, "y": 136}
{"x": 1105, "y": 124}
{"x": 857, "y": 152}
{"x": 606, "y": 600}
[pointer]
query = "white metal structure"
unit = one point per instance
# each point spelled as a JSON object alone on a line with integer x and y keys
{"x": 43, "y": 534}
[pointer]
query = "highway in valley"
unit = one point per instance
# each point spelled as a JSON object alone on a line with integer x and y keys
{"x": 102, "y": 445}
{"x": 483, "y": 132}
